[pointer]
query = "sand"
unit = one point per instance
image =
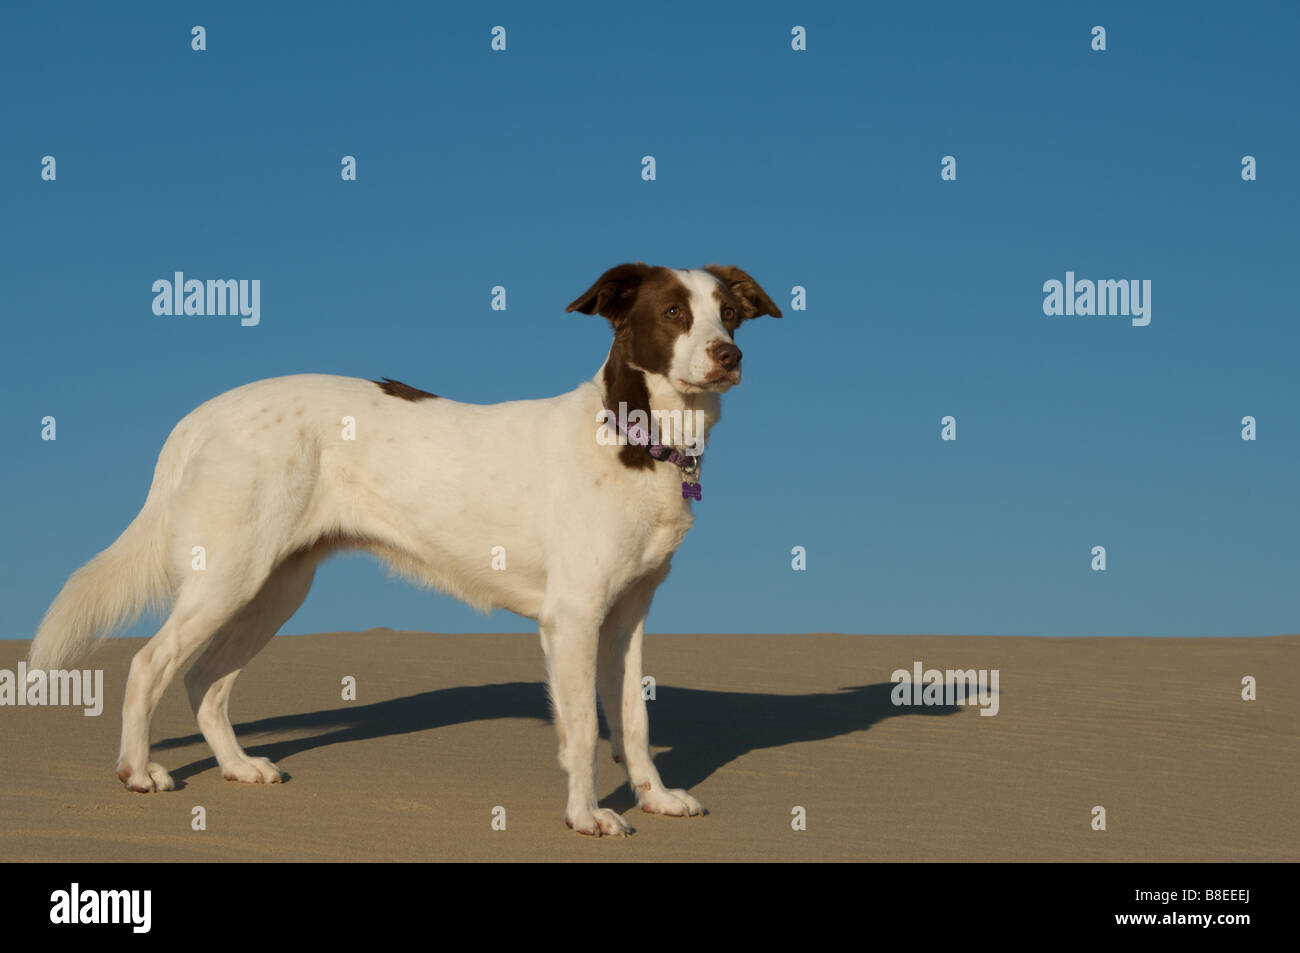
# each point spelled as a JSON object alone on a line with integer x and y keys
{"x": 446, "y": 728}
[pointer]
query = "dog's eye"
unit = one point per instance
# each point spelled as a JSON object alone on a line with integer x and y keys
{"x": 674, "y": 312}
{"x": 728, "y": 314}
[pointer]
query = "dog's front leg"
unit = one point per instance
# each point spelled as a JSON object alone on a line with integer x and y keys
{"x": 625, "y": 708}
{"x": 569, "y": 641}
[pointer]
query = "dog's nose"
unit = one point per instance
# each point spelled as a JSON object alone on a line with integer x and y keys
{"x": 726, "y": 353}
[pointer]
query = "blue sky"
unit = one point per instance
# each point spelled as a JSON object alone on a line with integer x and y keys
{"x": 817, "y": 168}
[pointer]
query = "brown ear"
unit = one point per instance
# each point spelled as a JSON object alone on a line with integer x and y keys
{"x": 753, "y": 298}
{"x": 613, "y": 293}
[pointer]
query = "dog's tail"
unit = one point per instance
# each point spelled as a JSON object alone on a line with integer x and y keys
{"x": 110, "y": 591}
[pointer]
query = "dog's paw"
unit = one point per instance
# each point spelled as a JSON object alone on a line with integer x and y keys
{"x": 599, "y": 821}
{"x": 155, "y": 778}
{"x": 676, "y": 802}
{"x": 252, "y": 771}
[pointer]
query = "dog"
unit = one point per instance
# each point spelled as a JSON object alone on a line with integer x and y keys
{"x": 563, "y": 510}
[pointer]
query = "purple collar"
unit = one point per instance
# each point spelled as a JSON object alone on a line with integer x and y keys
{"x": 689, "y": 465}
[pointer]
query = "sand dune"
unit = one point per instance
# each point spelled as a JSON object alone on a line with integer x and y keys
{"x": 447, "y": 727}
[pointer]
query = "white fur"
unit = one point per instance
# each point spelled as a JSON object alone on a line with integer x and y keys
{"x": 262, "y": 478}
{"x": 693, "y": 367}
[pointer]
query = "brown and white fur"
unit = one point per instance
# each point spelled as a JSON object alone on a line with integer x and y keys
{"x": 264, "y": 478}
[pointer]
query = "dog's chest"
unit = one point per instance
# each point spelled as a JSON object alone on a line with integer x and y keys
{"x": 664, "y": 526}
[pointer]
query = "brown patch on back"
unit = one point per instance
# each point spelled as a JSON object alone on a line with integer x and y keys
{"x": 405, "y": 391}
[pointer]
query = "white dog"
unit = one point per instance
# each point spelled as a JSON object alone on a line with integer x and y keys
{"x": 272, "y": 477}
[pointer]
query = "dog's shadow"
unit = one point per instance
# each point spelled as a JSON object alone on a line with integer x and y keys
{"x": 703, "y": 730}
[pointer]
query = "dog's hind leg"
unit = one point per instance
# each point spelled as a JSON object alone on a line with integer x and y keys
{"x": 192, "y": 622}
{"x": 212, "y": 677}
{"x": 236, "y": 508}
{"x": 619, "y": 668}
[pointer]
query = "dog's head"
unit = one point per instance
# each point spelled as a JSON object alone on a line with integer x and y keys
{"x": 679, "y": 324}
